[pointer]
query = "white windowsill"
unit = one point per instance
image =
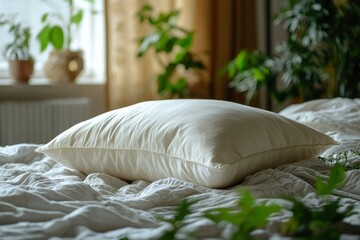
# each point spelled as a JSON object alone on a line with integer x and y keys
{"x": 43, "y": 89}
{"x": 44, "y": 81}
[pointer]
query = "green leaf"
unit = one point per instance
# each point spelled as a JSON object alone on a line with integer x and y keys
{"x": 43, "y": 37}
{"x": 337, "y": 175}
{"x": 218, "y": 215}
{"x": 56, "y": 36}
{"x": 241, "y": 60}
{"x": 77, "y": 18}
{"x": 183, "y": 210}
{"x": 196, "y": 64}
{"x": 179, "y": 87}
{"x": 247, "y": 218}
{"x": 165, "y": 43}
{"x": 260, "y": 214}
{"x": 162, "y": 81}
{"x": 177, "y": 221}
{"x": 180, "y": 56}
{"x": 257, "y": 74}
{"x": 147, "y": 7}
{"x": 44, "y": 17}
{"x": 186, "y": 42}
{"x": 231, "y": 69}
{"x": 145, "y": 13}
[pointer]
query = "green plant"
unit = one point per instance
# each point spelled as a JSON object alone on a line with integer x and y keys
{"x": 59, "y": 28}
{"x": 325, "y": 221}
{"x": 321, "y": 56}
{"x": 172, "y": 45}
{"x": 178, "y": 221}
{"x": 18, "y": 47}
{"x": 247, "y": 217}
{"x": 249, "y": 71}
{"x": 342, "y": 159}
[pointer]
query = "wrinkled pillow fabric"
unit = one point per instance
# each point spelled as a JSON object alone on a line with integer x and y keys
{"x": 208, "y": 142}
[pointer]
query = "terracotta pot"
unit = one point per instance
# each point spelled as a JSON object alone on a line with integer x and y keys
{"x": 21, "y": 70}
{"x": 64, "y": 66}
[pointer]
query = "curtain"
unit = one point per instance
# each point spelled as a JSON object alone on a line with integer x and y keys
{"x": 222, "y": 28}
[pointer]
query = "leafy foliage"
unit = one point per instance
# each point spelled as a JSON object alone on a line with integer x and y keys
{"x": 319, "y": 223}
{"x": 342, "y": 159}
{"x": 323, "y": 222}
{"x": 178, "y": 221}
{"x": 321, "y": 56}
{"x": 19, "y": 46}
{"x": 172, "y": 45}
{"x": 337, "y": 175}
{"x": 249, "y": 71}
{"x": 248, "y": 217}
{"x": 59, "y": 29}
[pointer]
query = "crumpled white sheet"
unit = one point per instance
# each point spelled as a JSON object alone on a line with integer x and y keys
{"x": 42, "y": 199}
{"x": 338, "y": 117}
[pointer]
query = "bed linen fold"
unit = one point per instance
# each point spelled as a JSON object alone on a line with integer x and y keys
{"x": 42, "y": 199}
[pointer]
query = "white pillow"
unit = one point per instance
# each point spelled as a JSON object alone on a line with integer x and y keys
{"x": 209, "y": 142}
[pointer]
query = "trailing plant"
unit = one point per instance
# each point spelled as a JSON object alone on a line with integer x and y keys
{"x": 172, "y": 45}
{"x": 342, "y": 159}
{"x": 321, "y": 57}
{"x": 324, "y": 221}
{"x": 18, "y": 47}
{"x": 58, "y": 28}
{"x": 178, "y": 221}
{"x": 248, "y": 216}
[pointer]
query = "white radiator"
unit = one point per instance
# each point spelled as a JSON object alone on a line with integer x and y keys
{"x": 39, "y": 121}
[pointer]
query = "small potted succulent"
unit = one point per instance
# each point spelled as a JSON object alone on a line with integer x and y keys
{"x": 64, "y": 64}
{"x": 17, "y": 51}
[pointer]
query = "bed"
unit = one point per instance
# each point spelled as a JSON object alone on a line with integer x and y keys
{"x": 62, "y": 194}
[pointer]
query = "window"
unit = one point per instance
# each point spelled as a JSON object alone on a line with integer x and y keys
{"x": 90, "y": 36}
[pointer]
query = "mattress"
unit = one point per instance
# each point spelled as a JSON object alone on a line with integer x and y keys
{"x": 43, "y": 199}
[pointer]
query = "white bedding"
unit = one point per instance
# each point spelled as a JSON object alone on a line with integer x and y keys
{"x": 42, "y": 199}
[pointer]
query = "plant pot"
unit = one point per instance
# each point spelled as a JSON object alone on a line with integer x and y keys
{"x": 21, "y": 70}
{"x": 63, "y": 66}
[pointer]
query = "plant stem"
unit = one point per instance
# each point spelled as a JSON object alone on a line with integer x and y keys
{"x": 71, "y": 10}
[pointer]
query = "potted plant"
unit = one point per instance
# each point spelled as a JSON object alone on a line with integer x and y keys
{"x": 320, "y": 58}
{"x": 172, "y": 45}
{"x": 17, "y": 51}
{"x": 58, "y": 31}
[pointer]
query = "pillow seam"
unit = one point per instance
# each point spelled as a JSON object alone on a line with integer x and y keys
{"x": 219, "y": 165}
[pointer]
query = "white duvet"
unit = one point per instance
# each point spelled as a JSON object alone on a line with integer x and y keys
{"x": 42, "y": 199}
